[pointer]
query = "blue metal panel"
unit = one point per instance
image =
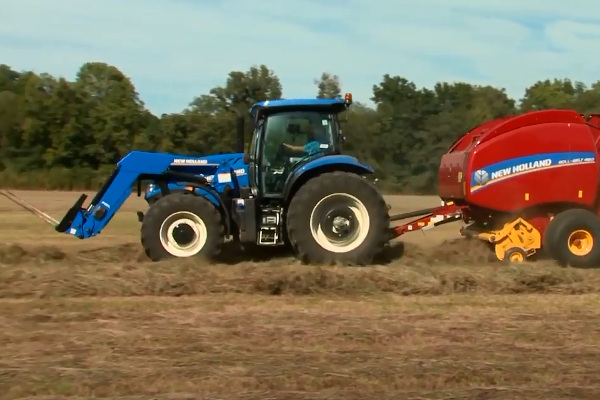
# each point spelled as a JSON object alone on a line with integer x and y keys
{"x": 233, "y": 172}
{"x": 112, "y": 196}
{"x": 333, "y": 162}
{"x": 334, "y": 159}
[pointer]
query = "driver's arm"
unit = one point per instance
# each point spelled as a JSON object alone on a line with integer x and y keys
{"x": 294, "y": 148}
{"x": 310, "y": 147}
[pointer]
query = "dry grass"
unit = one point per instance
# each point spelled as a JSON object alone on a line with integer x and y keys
{"x": 255, "y": 347}
{"x": 437, "y": 320}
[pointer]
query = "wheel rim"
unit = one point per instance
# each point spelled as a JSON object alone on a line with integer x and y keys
{"x": 339, "y": 222}
{"x": 516, "y": 257}
{"x": 580, "y": 242}
{"x": 183, "y": 234}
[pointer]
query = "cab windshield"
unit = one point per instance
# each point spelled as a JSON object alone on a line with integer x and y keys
{"x": 299, "y": 134}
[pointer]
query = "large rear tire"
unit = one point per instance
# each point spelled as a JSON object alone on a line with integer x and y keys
{"x": 180, "y": 226}
{"x": 337, "y": 217}
{"x": 573, "y": 238}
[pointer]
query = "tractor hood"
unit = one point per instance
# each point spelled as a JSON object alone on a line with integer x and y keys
{"x": 211, "y": 165}
{"x": 211, "y": 160}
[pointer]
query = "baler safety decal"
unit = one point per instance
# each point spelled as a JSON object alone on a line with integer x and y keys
{"x": 519, "y": 166}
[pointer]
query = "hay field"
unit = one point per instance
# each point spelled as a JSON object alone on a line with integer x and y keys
{"x": 95, "y": 319}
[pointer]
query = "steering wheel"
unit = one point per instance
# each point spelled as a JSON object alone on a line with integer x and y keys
{"x": 281, "y": 153}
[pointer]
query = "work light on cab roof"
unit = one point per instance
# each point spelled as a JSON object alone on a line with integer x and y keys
{"x": 348, "y": 98}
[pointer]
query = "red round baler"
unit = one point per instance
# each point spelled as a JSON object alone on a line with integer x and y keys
{"x": 525, "y": 183}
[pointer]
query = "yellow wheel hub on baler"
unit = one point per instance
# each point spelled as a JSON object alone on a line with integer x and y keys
{"x": 580, "y": 242}
{"x": 516, "y": 257}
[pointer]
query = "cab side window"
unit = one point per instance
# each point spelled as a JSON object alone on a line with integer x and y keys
{"x": 274, "y": 137}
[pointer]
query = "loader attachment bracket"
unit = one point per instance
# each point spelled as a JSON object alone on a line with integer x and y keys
{"x": 69, "y": 217}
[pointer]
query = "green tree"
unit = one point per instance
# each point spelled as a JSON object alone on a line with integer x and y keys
{"x": 114, "y": 112}
{"x": 556, "y": 93}
{"x": 329, "y": 86}
{"x": 240, "y": 91}
{"x": 8, "y": 78}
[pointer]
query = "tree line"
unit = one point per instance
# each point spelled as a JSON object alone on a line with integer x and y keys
{"x": 61, "y": 134}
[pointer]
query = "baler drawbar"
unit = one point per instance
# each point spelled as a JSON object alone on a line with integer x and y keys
{"x": 430, "y": 218}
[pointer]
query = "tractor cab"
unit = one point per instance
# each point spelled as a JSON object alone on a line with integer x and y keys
{"x": 288, "y": 134}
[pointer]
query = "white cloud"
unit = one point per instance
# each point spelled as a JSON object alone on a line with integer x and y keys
{"x": 177, "y": 49}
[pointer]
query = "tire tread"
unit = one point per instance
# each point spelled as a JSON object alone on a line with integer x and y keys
{"x": 305, "y": 247}
{"x": 171, "y": 203}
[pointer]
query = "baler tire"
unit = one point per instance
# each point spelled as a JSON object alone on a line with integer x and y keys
{"x": 560, "y": 229}
{"x": 198, "y": 210}
{"x": 517, "y": 253}
{"x": 300, "y": 225}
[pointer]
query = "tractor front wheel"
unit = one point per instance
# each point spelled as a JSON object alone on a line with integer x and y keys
{"x": 337, "y": 217}
{"x": 182, "y": 225}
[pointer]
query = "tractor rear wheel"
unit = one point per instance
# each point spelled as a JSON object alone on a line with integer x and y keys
{"x": 182, "y": 225}
{"x": 337, "y": 217}
{"x": 573, "y": 238}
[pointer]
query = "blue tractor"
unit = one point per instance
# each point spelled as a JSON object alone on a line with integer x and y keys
{"x": 293, "y": 187}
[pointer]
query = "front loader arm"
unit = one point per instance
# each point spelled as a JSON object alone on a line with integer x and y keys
{"x": 88, "y": 222}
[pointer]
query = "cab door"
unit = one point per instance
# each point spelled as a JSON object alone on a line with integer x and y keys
{"x": 255, "y": 156}
{"x": 275, "y": 163}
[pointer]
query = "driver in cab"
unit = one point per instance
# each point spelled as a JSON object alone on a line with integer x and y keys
{"x": 312, "y": 146}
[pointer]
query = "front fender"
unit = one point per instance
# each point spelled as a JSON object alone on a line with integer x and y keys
{"x": 320, "y": 165}
{"x": 206, "y": 192}
{"x": 175, "y": 187}
{"x": 154, "y": 192}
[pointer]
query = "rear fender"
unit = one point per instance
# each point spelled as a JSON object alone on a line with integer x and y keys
{"x": 322, "y": 165}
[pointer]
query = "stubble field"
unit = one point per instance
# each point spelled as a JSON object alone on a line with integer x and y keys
{"x": 437, "y": 320}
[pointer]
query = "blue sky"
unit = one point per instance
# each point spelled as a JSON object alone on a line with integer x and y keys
{"x": 174, "y": 50}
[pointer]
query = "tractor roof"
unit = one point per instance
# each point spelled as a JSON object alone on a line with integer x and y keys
{"x": 332, "y": 105}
